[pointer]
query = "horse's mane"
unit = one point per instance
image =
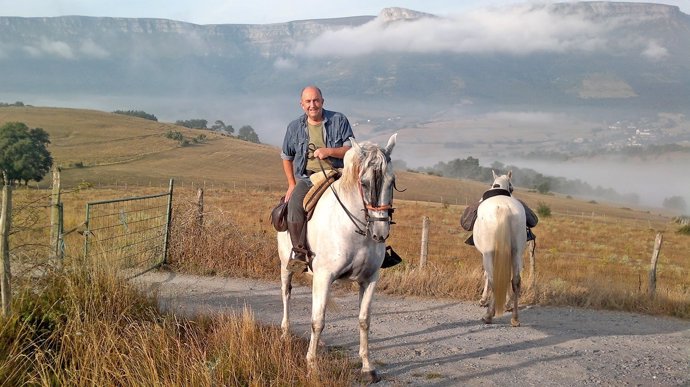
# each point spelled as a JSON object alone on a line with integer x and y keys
{"x": 371, "y": 156}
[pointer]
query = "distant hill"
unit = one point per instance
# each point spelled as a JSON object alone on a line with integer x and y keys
{"x": 106, "y": 149}
{"x": 618, "y": 55}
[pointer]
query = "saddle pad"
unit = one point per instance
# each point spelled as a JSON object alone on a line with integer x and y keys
{"x": 321, "y": 183}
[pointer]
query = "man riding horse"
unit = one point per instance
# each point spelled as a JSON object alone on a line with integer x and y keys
{"x": 469, "y": 216}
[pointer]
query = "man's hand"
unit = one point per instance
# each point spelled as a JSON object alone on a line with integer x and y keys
{"x": 288, "y": 193}
{"x": 322, "y": 153}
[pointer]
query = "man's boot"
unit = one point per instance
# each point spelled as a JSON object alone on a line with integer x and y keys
{"x": 298, "y": 236}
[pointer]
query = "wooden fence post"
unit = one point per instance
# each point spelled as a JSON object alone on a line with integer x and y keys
{"x": 199, "y": 209}
{"x": 425, "y": 241}
{"x": 531, "y": 245}
{"x": 5, "y": 223}
{"x": 652, "y": 268}
{"x": 55, "y": 217}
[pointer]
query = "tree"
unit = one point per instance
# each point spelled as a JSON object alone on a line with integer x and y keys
{"x": 24, "y": 154}
{"x": 247, "y": 133}
{"x": 137, "y": 113}
{"x": 219, "y": 126}
{"x": 195, "y": 123}
{"x": 676, "y": 203}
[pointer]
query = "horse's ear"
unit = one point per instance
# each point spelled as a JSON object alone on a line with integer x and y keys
{"x": 391, "y": 144}
{"x": 510, "y": 174}
{"x": 355, "y": 145}
{"x": 495, "y": 175}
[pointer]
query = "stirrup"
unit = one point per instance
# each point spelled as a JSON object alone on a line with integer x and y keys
{"x": 295, "y": 265}
{"x": 299, "y": 261}
{"x": 391, "y": 258}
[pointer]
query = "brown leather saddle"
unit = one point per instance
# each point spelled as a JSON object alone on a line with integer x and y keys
{"x": 321, "y": 181}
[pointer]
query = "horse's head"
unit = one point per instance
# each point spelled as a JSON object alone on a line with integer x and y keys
{"x": 503, "y": 181}
{"x": 371, "y": 166}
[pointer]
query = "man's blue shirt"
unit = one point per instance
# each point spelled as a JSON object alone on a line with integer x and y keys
{"x": 337, "y": 133}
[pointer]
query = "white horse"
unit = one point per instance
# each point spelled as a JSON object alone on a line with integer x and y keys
{"x": 500, "y": 235}
{"x": 347, "y": 232}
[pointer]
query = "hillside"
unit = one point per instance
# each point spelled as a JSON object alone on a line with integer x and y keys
{"x": 117, "y": 149}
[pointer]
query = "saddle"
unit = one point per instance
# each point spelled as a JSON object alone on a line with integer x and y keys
{"x": 321, "y": 181}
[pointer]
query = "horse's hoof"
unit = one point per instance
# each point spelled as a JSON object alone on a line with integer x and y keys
{"x": 370, "y": 377}
{"x": 487, "y": 320}
{"x": 483, "y": 303}
{"x": 514, "y": 322}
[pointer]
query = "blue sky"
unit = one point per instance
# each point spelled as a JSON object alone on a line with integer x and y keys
{"x": 246, "y": 11}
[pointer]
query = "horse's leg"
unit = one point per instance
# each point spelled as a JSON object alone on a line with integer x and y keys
{"x": 366, "y": 295}
{"x": 510, "y": 296}
{"x": 484, "y": 301}
{"x": 515, "y": 284}
{"x": 321, "y": 285}
{"x": 491, "y": 306}
{"x": 285, "y": 293}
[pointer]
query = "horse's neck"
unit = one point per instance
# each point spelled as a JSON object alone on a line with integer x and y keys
{"x": 347, "y": 197}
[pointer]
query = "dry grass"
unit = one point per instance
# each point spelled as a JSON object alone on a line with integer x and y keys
{"x": 588, "y": 254}
{"x": 84, "y": 326}
{"x": 599, "y": 261}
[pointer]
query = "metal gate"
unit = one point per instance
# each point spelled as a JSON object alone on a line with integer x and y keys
{"x": 130, "y": 233}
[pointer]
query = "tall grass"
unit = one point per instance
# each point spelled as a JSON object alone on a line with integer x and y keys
{"x": 83, "y": 325}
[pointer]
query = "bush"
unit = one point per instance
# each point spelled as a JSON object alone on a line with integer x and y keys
{"x": 543, "y": 210}
{"x": 684, "y": 230}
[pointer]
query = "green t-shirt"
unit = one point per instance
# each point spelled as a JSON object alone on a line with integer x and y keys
{"x": 316, "y": 138}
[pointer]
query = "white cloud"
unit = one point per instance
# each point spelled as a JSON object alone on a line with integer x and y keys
{"x": 48, "y": 47}
{"x": 655, "y": 51}
{"x": 92, "y": 50}
{"x": 535, "y": 117}
{"x": 284, "y": 64}
{"x": 518, "y": 30}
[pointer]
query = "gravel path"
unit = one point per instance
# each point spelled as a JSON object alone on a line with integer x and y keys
{"x": 424, "y": 342}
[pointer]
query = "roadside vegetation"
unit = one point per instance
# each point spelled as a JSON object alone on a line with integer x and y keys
{"x": 82, "y": 324}
{"x": 599, "y": 262}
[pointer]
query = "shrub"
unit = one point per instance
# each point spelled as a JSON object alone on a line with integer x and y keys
{"x": 543, "y": 210}
{"x": 684, "y": 230}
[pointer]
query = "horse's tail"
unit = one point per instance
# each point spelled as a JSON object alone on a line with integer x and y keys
{"x": 502, "y": 259}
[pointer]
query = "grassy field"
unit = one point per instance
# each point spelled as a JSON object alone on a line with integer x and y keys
{"x": 588, "y": 254}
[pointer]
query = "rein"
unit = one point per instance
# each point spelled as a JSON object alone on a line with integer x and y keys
{"x": 361, "y": 225}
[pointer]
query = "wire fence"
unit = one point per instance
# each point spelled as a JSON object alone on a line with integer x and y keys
{"x": 129, "y": 232}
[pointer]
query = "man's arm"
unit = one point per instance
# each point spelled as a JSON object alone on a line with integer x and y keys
{"x": 290, "y": 175}
{"x": 338, "y": 153}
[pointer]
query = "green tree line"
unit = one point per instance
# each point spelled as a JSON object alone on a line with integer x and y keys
{"x": 470, "y": 169}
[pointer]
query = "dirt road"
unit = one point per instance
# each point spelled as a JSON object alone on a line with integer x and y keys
{"x": 423, "y": 342}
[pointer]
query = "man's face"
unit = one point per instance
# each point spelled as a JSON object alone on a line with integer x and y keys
{"x": 312, "y": 104}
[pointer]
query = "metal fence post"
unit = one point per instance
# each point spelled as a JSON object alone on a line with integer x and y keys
{"x": 167, "y": 223}
{"x": 55, "y": 217}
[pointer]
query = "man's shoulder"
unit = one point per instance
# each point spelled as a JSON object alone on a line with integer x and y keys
{"x": 329, "y": 114}
{"x": 297, "y": 122}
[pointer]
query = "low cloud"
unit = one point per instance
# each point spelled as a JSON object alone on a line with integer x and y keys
{"x": 92, "y": 50}
{"x": 284, "y": 64}
{"x": 47, "y": 47}
{"x": 655, "y": 51}
{"x": 518, "y": 30}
